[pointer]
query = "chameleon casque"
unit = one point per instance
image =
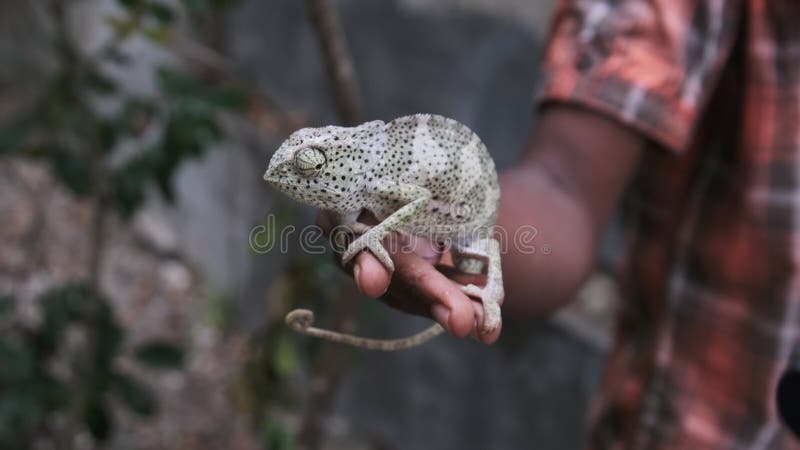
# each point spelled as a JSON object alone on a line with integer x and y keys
{"x": 422, "y": 175}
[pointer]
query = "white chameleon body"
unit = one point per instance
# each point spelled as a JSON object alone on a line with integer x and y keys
{"x": 423, "y": 175}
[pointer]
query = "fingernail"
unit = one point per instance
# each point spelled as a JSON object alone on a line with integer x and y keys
{"x": 442, "y": 315}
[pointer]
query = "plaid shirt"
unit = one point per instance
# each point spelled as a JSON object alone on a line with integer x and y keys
{"x": 712, "y": 275}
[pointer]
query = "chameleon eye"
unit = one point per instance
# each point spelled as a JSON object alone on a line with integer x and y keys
{"x": 309, "y": 161}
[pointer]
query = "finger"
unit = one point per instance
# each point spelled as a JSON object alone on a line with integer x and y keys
{"x": 449, "y": 306}
{"x": 371, "y": 277}
{"x": 486, "y": 338}
{"x": 460, "y": 277}
{"x": 404, "y": 301}
{"x": 398, "y": 244}
{"x": 492, "y": 337}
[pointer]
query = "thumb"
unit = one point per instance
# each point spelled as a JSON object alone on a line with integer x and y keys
{"x": 371, "y": 277}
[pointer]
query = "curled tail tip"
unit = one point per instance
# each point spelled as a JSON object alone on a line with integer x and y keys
{"x": 300, "y": 319}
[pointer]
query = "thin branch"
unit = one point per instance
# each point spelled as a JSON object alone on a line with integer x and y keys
{"x": 339, "y": 63}
{"x": 73, "y": 64}
{"x": 342, "y": 76}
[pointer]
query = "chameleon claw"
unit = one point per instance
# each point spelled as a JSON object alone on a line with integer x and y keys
{"x": 374, "y": 245}
{"x": 472, "y": 290}
{"x": 490, "y": 297}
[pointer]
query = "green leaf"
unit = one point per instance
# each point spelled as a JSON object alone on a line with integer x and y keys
{"x": 130, "y": 3}
{"x": 196, "y": 6}
{"x": 128, "y": 196}
{"x": 161, "y": 355}
{"x": 19, "y": 413}
{"x": 129, "y": 181}
{"x": 159, "y": 35}
{"x": 108, "y": 335}
{"x": 63, "y": 305}
{"x": 178, "y": 84}
{"x": 14, "y": 133}
{"x": 136, "y": 396}
{"x": 286, "y": 360}
{"x": 107, "y": 134}
{"x": 71, "y": 170}
{"x": 98, "y": 420}
{"x": 230, "y": 98}
{"x": 161, "y": 12}
{"x": 59, "y": 311}
{"x": 17, "y": 362}
{"x": 53, "y": 394}
{"x": 204, "y": 6}
{"x": 69, "y": 299}
{"x": 277, "y": 437}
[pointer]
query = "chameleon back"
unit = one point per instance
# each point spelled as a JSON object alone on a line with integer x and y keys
{"x": 449, "y": 160}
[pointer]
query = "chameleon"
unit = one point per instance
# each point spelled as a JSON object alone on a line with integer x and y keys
{"x": 423, "y": 175}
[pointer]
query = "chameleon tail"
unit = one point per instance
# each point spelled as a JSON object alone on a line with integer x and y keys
{"x": 301, "y": 320}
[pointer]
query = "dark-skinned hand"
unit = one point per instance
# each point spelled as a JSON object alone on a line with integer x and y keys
{"x": 423, "y": 282}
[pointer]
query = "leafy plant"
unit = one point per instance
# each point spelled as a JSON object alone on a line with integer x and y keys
{"x": 77, "y": 123}
{"x": 31, "y": 390}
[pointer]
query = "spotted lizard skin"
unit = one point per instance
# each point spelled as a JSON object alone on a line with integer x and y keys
{"x": 423, "y": 175}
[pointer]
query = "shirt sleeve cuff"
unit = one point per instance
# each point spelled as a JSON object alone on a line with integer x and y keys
{"x": 659, "y": 119}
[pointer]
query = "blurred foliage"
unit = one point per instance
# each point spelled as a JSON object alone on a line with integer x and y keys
{"x": 272, "y": 380}
{"x": 52, "y": 388}
{"x": 280, "y": 354}
{"x": 113, "y": 147}
{"x": 277, "y": 437}
{"x": 46, "y": 369}
{"x": 65, "y": 129}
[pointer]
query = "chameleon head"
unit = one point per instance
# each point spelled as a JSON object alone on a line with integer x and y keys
{"x": 324, "y": 167}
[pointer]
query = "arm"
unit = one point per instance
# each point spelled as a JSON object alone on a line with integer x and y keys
{"x": 569, "y": 180}
{"x": 626, "y": 62}
{"x": 567, "y": 184}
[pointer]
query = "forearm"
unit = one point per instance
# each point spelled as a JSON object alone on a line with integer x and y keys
{"x": 543, "y": 274}
{"x": 571, "y": 177}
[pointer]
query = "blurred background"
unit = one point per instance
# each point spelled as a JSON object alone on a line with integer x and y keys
{"x": 134, "y": 311}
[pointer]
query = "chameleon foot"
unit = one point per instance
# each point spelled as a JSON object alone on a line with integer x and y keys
{"x": 490, "y": 296}
{"x": 372, "y": 241}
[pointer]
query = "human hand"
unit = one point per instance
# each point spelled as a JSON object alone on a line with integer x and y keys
{"x": 423, "y": 283}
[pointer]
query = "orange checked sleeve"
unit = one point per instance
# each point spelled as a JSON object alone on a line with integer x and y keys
{"x": 650, "y": 64}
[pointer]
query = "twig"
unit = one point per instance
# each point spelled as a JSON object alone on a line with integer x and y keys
{"x": 342, "y": 75}
{"x": 73, "y": 63}
{"x": 338, "y": 61}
